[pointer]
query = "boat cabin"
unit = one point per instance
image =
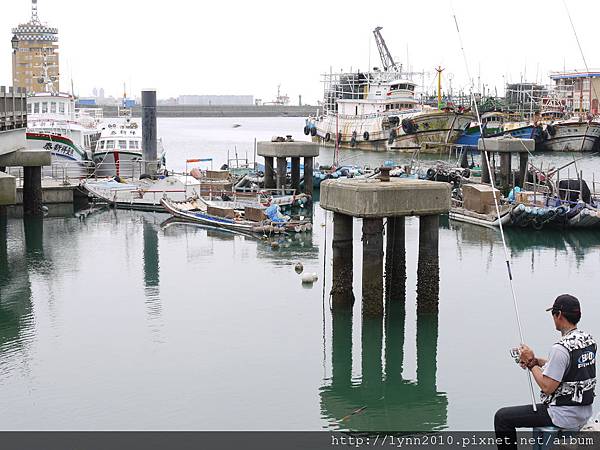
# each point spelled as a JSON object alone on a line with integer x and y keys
{"x": 50, "y": 107}
{"x": 125, "y": 136}
{"x": 380, "y": 98}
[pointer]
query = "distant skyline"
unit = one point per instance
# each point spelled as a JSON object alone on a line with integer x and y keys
{"x": 249, "y": 48}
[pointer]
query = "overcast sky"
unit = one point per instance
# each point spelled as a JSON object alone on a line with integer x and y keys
{"x": 251, "y": 46}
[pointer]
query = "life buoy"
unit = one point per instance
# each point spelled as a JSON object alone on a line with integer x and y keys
{"x": 366, "y": 135}
{"x": 392, "y": 137}
{"x": 551, "y": 129}
{"x": 306, "y": 130}
{"x": 327, "y": 137}
{"x": 313, "y": 131}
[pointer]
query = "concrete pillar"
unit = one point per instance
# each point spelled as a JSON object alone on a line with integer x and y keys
{"x": 371, "y": 349}
{"x": 269, "y": 173}
{"x": 32, "y": 191}
{"x": 427, "y": 337}
{"x": 395, "y": 261}
{"x": 341, "y": 291}
{"x": 395, "y": 318}
{"x": 372, "y": 276}
{"x": 296, "y": 174}
{"x": 308, "y": 175}
{"x": 281, "y": 173}
{"x": 151, "y": 265}
{"x": 523, "y": 161}
{"x": 485, "y": 174}
{"x": 33, "y": 227}
{"x": 428, "y": 270}
{"x": 149, "y": 133}
{"x": 505, "y": 171}
{"x": 341, "y": 349}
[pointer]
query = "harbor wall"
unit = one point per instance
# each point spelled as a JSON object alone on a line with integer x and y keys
{"x": 221, "y": 111}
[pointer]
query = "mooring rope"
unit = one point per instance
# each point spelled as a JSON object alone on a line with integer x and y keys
{"x": 484, "y": 154}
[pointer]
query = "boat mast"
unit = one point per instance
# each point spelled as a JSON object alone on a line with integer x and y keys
{"x": 439, "y": 70}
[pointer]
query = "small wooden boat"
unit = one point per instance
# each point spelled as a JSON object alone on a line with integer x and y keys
{"x": 491, "y": 220}
{"x": 199, "y": 211}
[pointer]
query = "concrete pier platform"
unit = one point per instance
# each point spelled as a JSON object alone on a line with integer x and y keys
{"x": 374, "y": 200}
{"x": 280, "y": 152}
{"x": 366, "y": 198}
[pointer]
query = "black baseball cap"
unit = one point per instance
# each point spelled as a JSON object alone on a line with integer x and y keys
{"x": 566, "y": 303}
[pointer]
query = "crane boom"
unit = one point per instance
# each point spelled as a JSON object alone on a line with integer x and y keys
{"x": 386, "y": 57}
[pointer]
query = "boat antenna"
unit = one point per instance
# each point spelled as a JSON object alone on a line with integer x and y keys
{"x": 484, "y": 154}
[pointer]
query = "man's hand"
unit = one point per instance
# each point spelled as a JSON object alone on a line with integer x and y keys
{"x": 527, "y": 357}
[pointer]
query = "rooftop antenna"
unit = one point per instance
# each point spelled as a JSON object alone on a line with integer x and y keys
{"x": 34, "y": 13}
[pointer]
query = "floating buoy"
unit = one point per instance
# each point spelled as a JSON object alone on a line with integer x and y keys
{"x": 309, "y": 278}
{"x": 299, "y": 268}
{"x": 274, "y": 245}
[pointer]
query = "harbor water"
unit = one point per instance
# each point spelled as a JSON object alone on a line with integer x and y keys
{"x": 121, "y": 320}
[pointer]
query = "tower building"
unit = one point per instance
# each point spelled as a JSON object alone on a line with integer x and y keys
{"x": 34, "y": 45}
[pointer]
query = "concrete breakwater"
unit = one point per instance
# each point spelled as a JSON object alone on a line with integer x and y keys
{"x": 221, "y": 111}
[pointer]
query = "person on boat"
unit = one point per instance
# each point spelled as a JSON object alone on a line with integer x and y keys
{"x": 567, "y": 379}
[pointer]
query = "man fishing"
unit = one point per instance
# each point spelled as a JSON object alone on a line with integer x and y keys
{"x": 567, "y": 379}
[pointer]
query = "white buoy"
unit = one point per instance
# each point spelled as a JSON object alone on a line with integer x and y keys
{"x": 309, "y": 278}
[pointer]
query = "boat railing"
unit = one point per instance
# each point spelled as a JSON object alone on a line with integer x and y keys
{"x": 63, "y": 173}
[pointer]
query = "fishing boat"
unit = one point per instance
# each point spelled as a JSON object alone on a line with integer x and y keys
{"x": 220, "y": 215}
{"x": 574, "y": 134}
{"x": 119, "y": 152}
{"x": 54, "y": 124}
{"x": 377, "y": 110}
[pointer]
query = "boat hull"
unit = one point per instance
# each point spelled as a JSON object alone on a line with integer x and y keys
{"x": 118, "y": 163}
{"x": 572, "y": 137}
{"x": 375, "y": 133}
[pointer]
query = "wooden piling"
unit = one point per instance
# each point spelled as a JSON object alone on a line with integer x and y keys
{"x": 308, "y": 175}
{"x": 269, "y": 173}
{"x": 281, "y": 173}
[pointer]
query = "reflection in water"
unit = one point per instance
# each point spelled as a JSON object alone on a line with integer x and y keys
{"x": 579, "y": 243}
{"x": 151, "y": 271}
{"x": 383, "y": 400}
{"x": 16, "y": 262}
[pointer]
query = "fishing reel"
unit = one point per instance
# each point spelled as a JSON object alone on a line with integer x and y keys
{"x": 515, "y": 353}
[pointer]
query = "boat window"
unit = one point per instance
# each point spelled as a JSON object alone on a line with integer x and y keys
{"x": 36, "y": 107}
{"x": 122, "y": 144}
{"x": 110, "y": 145}
{"x": 61, "y": 108}
{"x": 402, "y": 86}
{"x": 134, "y": 145}
{"x": 101, "y": 145}
{"x": 411, "y": 87}
{"x": 53, "y": 107}
{"x": 394, "y": 87}
{"x": 44, "y": 107}
{"x": 29, "y": 108}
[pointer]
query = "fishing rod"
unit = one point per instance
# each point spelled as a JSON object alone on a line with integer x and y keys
{"x": 484, "y": 154}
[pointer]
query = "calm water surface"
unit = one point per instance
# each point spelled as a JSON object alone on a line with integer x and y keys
{"x": 120, "y": 321}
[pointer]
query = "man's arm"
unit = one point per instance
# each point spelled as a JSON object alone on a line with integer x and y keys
{"x": 547, "y": 385}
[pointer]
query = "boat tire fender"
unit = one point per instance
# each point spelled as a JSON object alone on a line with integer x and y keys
{"x": 551, "y": 129}
{"x": 313, "y": 131}
{"x": 366, "y": 135}
{"x": 327, "y": 137}
{"x": 306, "y": 130}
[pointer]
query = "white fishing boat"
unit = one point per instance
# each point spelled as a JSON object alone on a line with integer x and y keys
{"x": 54, "y": 124}
{"x": 119, "y": 150}
{"x": 377, "y": 110}
{"x": 571, "y": 135}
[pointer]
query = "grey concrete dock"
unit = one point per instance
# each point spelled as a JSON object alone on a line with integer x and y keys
{"x": 374, "y": 200}
{"x": 281, "y": 151}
